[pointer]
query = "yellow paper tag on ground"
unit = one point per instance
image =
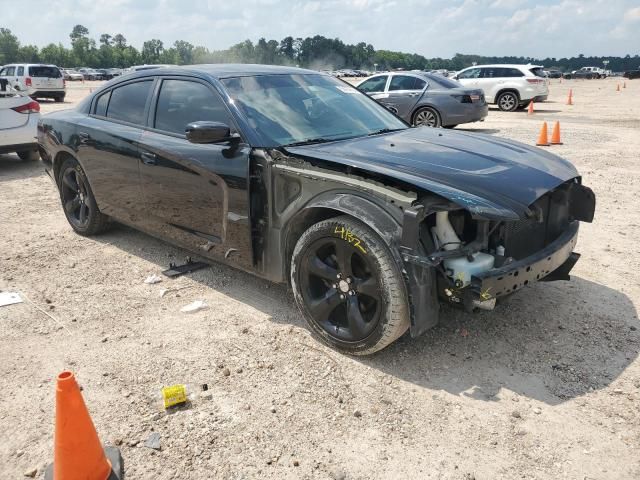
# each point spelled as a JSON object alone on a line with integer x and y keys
{"x": 174, "y": 395}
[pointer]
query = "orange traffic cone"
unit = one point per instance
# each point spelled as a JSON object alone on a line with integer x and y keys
{"x": 530, "y": 109}
{"x": 543, "y": 140}
{"x": 570, "y": 99}
{"x": 555, "y": 136}
{"x": 618, "y": 88}
{"x": 78, "y": 454}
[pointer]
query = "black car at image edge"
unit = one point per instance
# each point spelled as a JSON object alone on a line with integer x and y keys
{"x": 299, "y": 178}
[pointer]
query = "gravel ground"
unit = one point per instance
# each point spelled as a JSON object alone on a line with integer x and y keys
{"x": 547, "y": 386}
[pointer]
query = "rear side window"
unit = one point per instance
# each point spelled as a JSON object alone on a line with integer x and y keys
{"x": 127, "y": 103}
{"x": 181, "y": 102}
{"x": 375, "y": 84}
{"x": 20, "y": 71}
{"x": 538, "y": 72}
{"x": 9, "y": 72}
{"x": 101, "y": 104}
{"x": 44, "y": 72}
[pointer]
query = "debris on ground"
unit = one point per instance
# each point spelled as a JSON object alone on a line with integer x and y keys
{"x": 153, "y": 279}
{"x": 194, "y": 307}
{"x": 153, "y": 441}
{"x": 174, "y": 395}
{"x": 9, "y": 298}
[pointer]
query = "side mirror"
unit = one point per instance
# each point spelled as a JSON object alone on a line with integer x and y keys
{"x": 208, "y": 132}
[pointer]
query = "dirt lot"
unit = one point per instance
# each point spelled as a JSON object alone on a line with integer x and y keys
{"x": 545, "y": 387}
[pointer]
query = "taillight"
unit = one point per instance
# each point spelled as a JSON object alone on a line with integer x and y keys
{"x": 535, "y": 80}
{"x": 31, "y": 107}
{"x": 463, "y": 98}
{"x": 27, "y": 81}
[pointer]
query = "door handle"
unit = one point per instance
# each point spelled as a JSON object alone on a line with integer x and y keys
{"x": 84, "y": 137}
{"x": 148, "y": 158}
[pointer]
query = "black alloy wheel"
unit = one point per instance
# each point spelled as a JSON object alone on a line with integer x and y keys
{"x": 340, "y": 289}
{"x": 78, "y": 202}
{"x": 74, "y": 197}
{"x": 348, "y": 286}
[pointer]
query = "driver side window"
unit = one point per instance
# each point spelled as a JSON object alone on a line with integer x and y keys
{"x": 181, "y": 102}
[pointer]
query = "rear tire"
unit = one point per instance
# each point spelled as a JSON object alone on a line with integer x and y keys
{"x": 78, "y": 202}
{"x": 508, "y": 101}
{"x": 59, "y": 98}
{"x": 29, "y": 155}
{"x": 426, "y": 116}
{"x": 348, "y": 286}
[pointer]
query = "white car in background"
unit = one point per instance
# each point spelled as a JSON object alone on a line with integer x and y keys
{"x": 508, "y": 86}
{"x": 19, "y": 115}
{"x": 36, "y": 80}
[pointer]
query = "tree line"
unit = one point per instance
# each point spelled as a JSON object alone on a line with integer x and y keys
{"x": 316, "y": 52}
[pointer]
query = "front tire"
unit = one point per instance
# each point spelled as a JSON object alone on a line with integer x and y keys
{"x": 427, "y": 117}
{"x": 508, "y": 101}
{"x": 348, "y": 286}
{"x": 78, "y": 202}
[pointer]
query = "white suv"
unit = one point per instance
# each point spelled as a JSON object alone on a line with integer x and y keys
{"x": 36, "y": 80}
{"x": 19, "y": 117}
{"x": 509, "y": 86}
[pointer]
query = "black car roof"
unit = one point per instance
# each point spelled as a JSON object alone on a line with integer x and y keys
{"x": 227, "y": 70}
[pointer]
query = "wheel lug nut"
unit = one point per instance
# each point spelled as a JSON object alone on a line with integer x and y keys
{"x": 349, "y": 280}
{"x": 341, "y": 296}
{"x": 339, "y": 275}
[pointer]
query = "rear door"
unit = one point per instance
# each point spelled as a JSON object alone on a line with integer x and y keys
{"x": 45, "y": 77}
{"x": 108, "y": 141}
{"x": 195, "y": 193}
{"x": 404, "y": 91}
{"x": 491, "y": 80}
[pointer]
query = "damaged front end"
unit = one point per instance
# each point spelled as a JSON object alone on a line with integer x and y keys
{"x": 470, "y": 259}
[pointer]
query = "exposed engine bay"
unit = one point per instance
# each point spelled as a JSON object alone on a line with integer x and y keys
{"x": 479, "y": 260}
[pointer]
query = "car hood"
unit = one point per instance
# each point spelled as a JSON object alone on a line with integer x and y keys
{"x": 490, "y": 176}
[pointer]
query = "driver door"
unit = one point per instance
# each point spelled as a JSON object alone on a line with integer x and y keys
{"x": 195, "y": 193}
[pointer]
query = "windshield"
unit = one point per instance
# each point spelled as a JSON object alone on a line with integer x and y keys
{"x": 290, "y": 109}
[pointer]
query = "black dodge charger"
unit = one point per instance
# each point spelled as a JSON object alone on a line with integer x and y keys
{"x": 298, "y": 177}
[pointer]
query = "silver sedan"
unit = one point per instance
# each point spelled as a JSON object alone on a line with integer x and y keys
{"x": 427, "y": 99}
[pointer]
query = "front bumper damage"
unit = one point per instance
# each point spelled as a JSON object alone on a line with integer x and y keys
{"x": 426, "y": 283}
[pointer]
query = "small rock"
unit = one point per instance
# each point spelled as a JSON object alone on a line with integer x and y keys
{"x": 31, "y": 472}
{"x": 516, "y": 414}
{"x": 117, "y": 441}
{"x": 19, "y": 453}
{"x": 239, "y": 370}
{"x": 133, "y": 443}
{"x": 226, "y": 372}
{"x": 338, "y": 475}
{"x": 104, "y": 340}
{"x": 153, "y": 441}
{"x": 296, "y": 463}
{"x": 357, "y": 413}
{"x": 245, "y": 330}
{"x": 633, "y": 328}
{"x": 273, "y": 409}
{"x": 537, "y": 411}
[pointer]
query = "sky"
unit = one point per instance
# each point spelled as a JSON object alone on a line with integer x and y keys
{"x": 433, "y": 28}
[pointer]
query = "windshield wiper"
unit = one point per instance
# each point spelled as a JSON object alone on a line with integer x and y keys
{"x": 311, "y": 141}
{"x": 385, "y": 130}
